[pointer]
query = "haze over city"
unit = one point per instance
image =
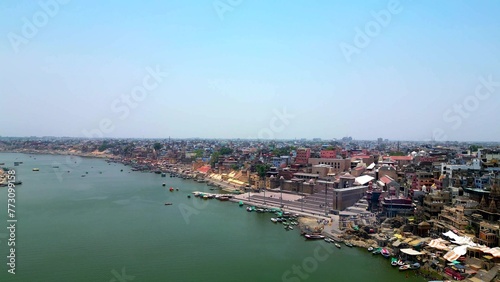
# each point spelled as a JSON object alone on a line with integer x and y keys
{"x": 402, "y": 70}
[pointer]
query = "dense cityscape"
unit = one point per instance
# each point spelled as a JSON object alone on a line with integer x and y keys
{"x": 433, "y": 206}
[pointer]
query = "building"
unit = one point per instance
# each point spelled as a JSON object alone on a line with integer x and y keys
{"x": 346, "y": 197}
{"x": 337, "y": 165}
{"x": 328, "y": 154}
{"x": 434, "y": 203}
{"x": 303, "y": 155}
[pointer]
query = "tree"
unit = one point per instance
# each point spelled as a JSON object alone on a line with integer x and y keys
{"x": 198, "y": 153}
{"x": 262, "y": 169}
{"x": 214, "y": 159}
{"x": 157, "y": 146}
{"x": 225, "y": 151}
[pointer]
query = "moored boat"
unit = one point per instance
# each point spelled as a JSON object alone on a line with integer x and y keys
{"x": 404, "y": 267}
{"x": 385, "y": 253}
{"x": 314, "y": 236}
{"x": 337, "y": 245}
{"x": 370, "y": 249}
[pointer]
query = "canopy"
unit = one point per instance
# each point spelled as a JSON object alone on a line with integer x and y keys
{"x": 411, "y": 252}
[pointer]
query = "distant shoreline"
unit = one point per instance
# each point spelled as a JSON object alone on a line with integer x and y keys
{"x": 60, "y": 153}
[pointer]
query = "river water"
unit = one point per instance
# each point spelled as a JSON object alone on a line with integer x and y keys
{"x": 112, "y": 225}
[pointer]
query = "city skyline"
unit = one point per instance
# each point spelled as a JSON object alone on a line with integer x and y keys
{"x": 400, "y": 70}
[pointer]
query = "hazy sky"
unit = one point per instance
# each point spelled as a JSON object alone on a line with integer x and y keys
{"x": 411, "y": 70}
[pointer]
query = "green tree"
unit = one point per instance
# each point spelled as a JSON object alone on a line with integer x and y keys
{"x": 214, "y": 159}
{"x": 198, "y": 153}
{"x": 262, "y": 169}
{"x": 225, "y": 151}
{"x": 157, "y": 146}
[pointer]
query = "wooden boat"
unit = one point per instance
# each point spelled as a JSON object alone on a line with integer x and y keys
{"x": 404, "y": 267}
{"x": 385, "y": 253}
{"x": 314, "y": 236}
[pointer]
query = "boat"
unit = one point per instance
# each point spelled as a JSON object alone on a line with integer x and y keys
{"x": 337, "y": 245}
{"x": 168, "y": 204}
{"x": 249, "y": 209}
{"x": 189, "y": 196}
{"x": 205, "y": 197}
{"x": 370, "y": 249}
{"x": 274, "y": 219}
{"x": 348, "y": 244}
{"x": 240, "y": 203}
{"x": 385, "y": 253}
{"x": 163, "y": 184}
{"x": 163, "y": 174}
{"x": 328, "y": 240}
{"x": 223, "y": 198}
{"x": 36, "y": 169}
{"x": 55, "y": 166}
{"x": 404, "y": 267}
{"x": 376, "y": 251}
{"x": 415, "y": 265}
{"x": 394, "y": 262}
{"x": 171, "y": 189}
{"x": 314, "y": 236}
{"x": 83, "y": 175}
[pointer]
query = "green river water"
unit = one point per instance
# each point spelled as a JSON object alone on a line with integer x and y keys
{"x": 112, "y": 225}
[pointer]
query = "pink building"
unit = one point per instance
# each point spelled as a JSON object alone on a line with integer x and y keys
{"x": 328, "y": 154}
{"x": 303, "y": 155}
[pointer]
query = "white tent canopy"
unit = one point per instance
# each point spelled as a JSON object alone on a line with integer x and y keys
{"x": 411, "y": 252}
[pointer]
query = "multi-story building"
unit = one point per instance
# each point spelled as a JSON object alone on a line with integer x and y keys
{"x": 488, "y": 234}
{"x": 303, "y": 155}
{"x": 434, "y": 203}
{"x": 337, "y": 165}
{"x": 328, "y": 154}
{"x": 423, "y": 178}
{"x": 451, "y": 218}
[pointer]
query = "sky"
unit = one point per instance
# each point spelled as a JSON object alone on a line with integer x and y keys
{"x": 401, "y": 70}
